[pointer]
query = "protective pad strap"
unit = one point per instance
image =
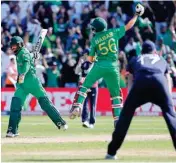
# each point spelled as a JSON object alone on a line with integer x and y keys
{"x": 86, "y": 89}
{"x": 77, "y": 104}
{"x": 117, "y": 105}
{"x": 117, "y": 97}
{"x": 82, "y": 94}
{"x": 81, "y": 86}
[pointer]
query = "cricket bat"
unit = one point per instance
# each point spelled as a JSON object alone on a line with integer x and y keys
{"x": 39, "y": 43}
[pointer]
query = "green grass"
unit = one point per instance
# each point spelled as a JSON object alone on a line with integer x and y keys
{"x": 40, "y": 127}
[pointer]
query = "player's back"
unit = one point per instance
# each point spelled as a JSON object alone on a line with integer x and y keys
{"x": 147, "y": 64}
{"x": 105, "y": 44}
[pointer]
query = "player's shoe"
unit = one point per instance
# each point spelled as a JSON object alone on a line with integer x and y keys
{"x": 17, "y": 134}
{"x": 75, "y": 112}
{"x": 91, "y": 126}
{"x": 86, "y": 124}
{"x": 110, "y": 157}
{"x": 10, "y": 135}
{"x": 63, "y": 127}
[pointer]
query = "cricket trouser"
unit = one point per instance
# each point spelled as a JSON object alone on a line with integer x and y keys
{"x": 139, "y": 95}
{"x": 34, "y": 87}
{"x": 92, "y": 100}
{"x": 111, "y": 77}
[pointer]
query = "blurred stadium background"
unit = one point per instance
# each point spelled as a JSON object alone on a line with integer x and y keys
{"x": 68, "y": 36}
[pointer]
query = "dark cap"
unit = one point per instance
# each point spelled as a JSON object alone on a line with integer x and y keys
{"x": 148, "y": 46}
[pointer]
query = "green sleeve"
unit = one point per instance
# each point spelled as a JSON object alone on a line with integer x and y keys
{"x": 92, "y": 49}
{"x": 120, "y": 32}
{"x": 26, "y": 63}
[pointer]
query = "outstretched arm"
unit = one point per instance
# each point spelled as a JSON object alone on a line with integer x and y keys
{"x": 131, "y": 23}
{"x": 139, "y": 12}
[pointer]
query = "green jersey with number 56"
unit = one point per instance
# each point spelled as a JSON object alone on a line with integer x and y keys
{"x": 104, "y": 45}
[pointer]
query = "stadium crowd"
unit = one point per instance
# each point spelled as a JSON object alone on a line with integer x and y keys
{"x": 68, "y": 35}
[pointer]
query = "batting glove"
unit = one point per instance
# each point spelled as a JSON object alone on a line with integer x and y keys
{"x": 140, "y": 9}
{"x": 21, "y": 78}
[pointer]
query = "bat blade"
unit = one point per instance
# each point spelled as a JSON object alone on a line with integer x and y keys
{"x": 39, "y": 43}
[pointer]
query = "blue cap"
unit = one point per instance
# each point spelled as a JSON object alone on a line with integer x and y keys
{"x": 148, "y": 46}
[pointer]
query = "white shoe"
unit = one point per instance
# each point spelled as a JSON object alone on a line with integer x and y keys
{"x": 17, "y": 134}
{"x": 91, "y": 126}
{"x": 75, "y": 112}
{"x": 110, "y": 157}
{"x": 86, "y": 124}
{"x": 10, "y": 135}
{"x": 64, "y": 127}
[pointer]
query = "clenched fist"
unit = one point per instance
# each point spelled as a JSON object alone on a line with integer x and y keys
{"x": 139, "y": 9}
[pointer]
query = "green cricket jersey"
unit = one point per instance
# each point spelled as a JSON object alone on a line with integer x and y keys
{"x": 104, "y": 45}
{"x": 25, "y": 62}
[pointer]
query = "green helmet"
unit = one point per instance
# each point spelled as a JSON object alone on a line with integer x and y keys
{"x": 98, "y": 24}
{"x": 16, "y": 40}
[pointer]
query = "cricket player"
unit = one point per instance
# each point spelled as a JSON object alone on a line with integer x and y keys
{"x": 28, "y": 82}
{"x": 104, "y": 45}
{"x": 150, "y": 73}
{"x": 83, "y": 69}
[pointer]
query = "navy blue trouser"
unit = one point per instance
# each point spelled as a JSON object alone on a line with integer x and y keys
{"x": 92, "y": 100}
{"x": 146, "y": 88}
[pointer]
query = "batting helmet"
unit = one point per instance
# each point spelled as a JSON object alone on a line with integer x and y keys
{"x": 98, "y": 24}
{"x": 16, "y": 40}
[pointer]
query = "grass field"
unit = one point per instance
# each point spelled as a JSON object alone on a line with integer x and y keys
{"x": 148, "y": 140}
